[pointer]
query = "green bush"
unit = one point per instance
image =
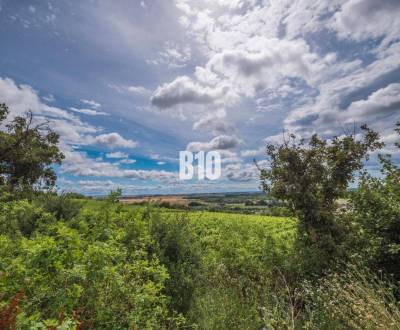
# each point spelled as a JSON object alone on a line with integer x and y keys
{"x": 98, "y": 266}
{"x": 178, "y": 249}
{"x": 376, "y": 205}
{"x": 63, "y": 206}
{"x": 22, "y": 218}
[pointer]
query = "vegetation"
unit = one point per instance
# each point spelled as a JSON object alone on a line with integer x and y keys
{"x": 69, "y": 262}
{"x": 242, "y": 203}
{"x": 27, "y": 152}
{"x": 311, "y": 177}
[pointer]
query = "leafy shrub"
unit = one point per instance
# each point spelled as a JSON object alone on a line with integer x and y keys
{"x": 22, "y": 218}
{"x": 98, "y": 266}
{"x": 177, "y": 249}
{"x": 61, "y": 206}
{"x": 376, "y": 207}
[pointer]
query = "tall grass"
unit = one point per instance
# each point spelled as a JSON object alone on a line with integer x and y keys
{"x": 354, "y": 299}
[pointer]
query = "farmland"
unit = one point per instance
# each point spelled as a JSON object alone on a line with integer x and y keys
{"x": 91, "y": 258}
{"x": 239, "y": 203}
{"x": 221, "y": 263}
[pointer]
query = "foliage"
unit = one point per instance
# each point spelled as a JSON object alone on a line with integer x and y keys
{"x": 311, "y": 177}
{"x": 236, "y": 269}
{"x": 114, "y": 196}
{"x": 62, "y": 206}
{"x": 22, "y": 218}
{"x": 96, "y": 267}
{"x": 115, "y": 267}
{"x": 178, "y": 249}
{"x": 376, "y": 205}
{"x": 27, "y": 151}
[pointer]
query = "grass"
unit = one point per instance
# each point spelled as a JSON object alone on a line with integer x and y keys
{"x": 237, "y": 257}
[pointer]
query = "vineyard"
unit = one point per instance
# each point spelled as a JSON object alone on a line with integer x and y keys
{"x": 72, "y": 262}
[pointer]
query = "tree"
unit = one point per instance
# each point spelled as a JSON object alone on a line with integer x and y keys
{"x": 311, "y": 176}
{"x": 376, "y": 205}
{"x": 27, "y": 152}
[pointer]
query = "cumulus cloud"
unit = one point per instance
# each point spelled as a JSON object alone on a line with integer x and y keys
{"x": 215, "y": 122}
{"x": 363, "y": 19}
{"x": 255, "y": 57}
{"x": 380, "y": 103}
{"x": 221, "y": 142}
{"x": 183, "y": 90}
{"x": 346, "y": 83}
{"x": 113, "y": 140}
{"x": 265, "y": 63}
{"x": 262, "y": 63}
{"x": 241, "y": 173}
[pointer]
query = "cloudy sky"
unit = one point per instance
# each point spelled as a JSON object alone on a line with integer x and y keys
{"x": 128, "y": 84}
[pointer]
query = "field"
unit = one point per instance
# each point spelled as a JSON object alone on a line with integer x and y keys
{"x": 241, "y": 203}
{"x": 224, "y": 263}
{"x": 170, "y": 199}
{"x": 219, "y": 263}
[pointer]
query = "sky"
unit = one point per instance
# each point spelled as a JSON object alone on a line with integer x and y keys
{"x": 128, "y": 84}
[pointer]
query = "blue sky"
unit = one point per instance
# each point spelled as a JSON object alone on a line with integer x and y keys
{"x": 128, "y": 84}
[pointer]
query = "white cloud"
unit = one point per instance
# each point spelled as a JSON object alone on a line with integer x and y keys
{"x": 241, "y": 173}
{"x": 127, "y": 161}
{"x": 113, "y": 140}
{"x": 71, "y": 129}
{"x": 137, "y": 90}
{"x": 23, "y": 98}
{"x": 221, "y": 142}
{"x": 117, "y": 154}
{"x": 77, "y": 163}
{"x": 380, "y": 103}
{"x": 89, "y": 112}
{"x": 160, "y": 163}
{"x": 265, "y": 63}
{"x": 259, "y": 64}
{"x": 215, "y": 122}
{"x": 252, "y": 152}
{"x": 325, "y": 113}
{"x": 184, "y": 91}
{"x": 367, "y": 19}
{"x": 91, "y": 103}
{"x": 173, "y": 56}
{"x": 255, "y": 48}
{"x": 49, "y": 98}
